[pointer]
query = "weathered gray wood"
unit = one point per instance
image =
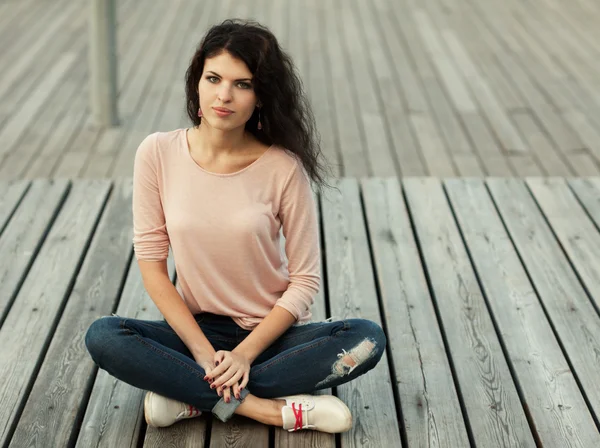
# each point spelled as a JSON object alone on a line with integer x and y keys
{"x": 490, "y": 398}
{"x": 62, "y": 382}
{"x": 189, "y": 433}
{"x": 451, "y": 78}
{"x": 432, "y": 146}
{"x": 577, "y": 234}
{"x": 100, "y": 162}
{"x": 540, "y": 145}
{"x": 11, "y": 194}
{"x": 544, "y": 377}
{"x": 103, "y": 61}
{"x": 81, "y": 149}
{"x": 567, "y": 305}
{"x": 430, "y": 407}
{"x": 319, "y": 86}
{"x": 35, "y": 137}
{"x": 38, "y": 305}
{"x": 21, "y": 63}
{"x": 354, "y": 158}
{"x": 239, "y": 432}
{"x": 588, "y": 193}
{"x": 394, "y": 107}
{"x": 25, "y": 233}
{"x": 493, "y": 160}
{"x": 368, "y": 96}
{"x": 115, "y": 411}
{"x": 144, "y": 122}
{"x": 352, "y": 293}
{"x": 17, "y": 123}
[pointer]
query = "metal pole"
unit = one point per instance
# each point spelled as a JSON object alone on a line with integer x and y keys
{"x": 103, "y": 62}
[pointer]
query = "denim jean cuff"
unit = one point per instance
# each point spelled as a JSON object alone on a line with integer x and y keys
{"x": 223, "y": 411}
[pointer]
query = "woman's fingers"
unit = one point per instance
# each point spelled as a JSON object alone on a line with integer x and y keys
{"x": 227, "y": 395}
{"x": 245, "y": 379}
{"x": 234, "y": 379}
{"x": 235, "y": 390}
{"x": 218, "y": 371}
{"x": 224, "y": 377}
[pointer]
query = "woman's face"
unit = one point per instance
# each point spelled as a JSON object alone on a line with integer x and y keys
{"x": 227, "y": 98}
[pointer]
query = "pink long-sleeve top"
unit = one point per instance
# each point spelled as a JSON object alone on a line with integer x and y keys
{"x": 224, "y": 229}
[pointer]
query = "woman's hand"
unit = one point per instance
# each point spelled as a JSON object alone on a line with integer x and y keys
{"x": 231, "y": 373}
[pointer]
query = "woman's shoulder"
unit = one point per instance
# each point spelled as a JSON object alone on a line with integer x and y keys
{"x": 285, "y": 159}
{"x": 157, "y": 143}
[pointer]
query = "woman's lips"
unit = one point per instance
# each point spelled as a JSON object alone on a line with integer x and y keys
{"x": 222, "y": 112}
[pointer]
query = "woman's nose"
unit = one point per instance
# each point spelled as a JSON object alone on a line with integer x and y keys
{"x": 224, "y": 93}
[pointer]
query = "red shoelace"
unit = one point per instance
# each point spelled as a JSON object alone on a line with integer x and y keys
{"x": 298, "y": 415}
{"x": 192, "y": 411}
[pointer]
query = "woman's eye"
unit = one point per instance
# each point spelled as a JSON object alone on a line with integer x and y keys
{"x": 244, "y": 85}
{"x": 212, "y": 79}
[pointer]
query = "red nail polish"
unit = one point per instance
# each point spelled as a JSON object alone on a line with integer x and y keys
{"x": 227, "y": 400}
{"x": 237, "y": 396}
{"x": 217, "y": 363}
{"x": 205, "y": 378}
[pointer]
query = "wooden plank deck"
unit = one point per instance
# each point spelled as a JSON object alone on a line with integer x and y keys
{"x": 488, "y": 291}
{"x": 399, "y": 88}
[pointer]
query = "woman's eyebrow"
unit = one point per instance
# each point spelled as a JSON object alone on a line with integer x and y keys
{"x": 242, "y": 79}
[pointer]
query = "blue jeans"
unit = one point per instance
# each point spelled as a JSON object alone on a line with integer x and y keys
{"x": 149, "y": 355}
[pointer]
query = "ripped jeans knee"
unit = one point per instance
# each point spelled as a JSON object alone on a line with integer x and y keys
{"x": 364, "y": 355}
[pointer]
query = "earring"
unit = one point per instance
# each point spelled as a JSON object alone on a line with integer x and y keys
{"x": 259, "y": 123}
{"x": 199, "y": 112}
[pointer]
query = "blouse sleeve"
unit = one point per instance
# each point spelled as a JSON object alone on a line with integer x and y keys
{"x": 298, "y": 215}
{"x": 150, "y": 237}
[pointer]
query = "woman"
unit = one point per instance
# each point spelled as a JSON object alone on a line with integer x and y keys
{"x": 236, "y": 338}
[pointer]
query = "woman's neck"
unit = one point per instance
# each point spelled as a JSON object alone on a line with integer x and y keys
{"x": 216, "y": 142}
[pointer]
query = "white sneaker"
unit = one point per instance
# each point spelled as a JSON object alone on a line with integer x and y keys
{"x": 161, "y": 411}
{"x": 324, "y": 413}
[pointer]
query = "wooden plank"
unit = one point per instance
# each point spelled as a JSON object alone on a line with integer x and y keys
{"x": 134, "y": 97}
{"x": 59, "y": 395}
{"x": 489, "y": 395}
{"x": 404, "y": 143}
{"x": 17, "y": 124}
{"x": 451, "y": 78}
{"x": 430, "y": 407}
{"x": 578, "y": 236}
{"x": 355, "y": 160}
{"x": 493, "y": 160}
{"x": 567, "y": 305}
{"x": 25, "y": 76}
{"x": 367, "y": 93}
{"x": 545, "y": 152}
{"x": 319, "y": 87}
{"x": 352, "y": 293}
{"x": 115, "y": 412}
{"x": 89, "y": 138}
{"x": 25, "y": 233}
{"x": 498, "y": 119}
{"x": 38, "y": 306}
{"x": 588, "y": 193}
{"x": 404, "y": 74}
{"x": 18, "y": 43}
{"x": 144, "y": 121}
{"x": 64, "y": 100}
{"x": 69, "y": 131}
{"x": 432, "y": 147}
{"x": 541, "y": 370}
{"x": 448, "y": 122}
{"x": 11, "y": 194}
